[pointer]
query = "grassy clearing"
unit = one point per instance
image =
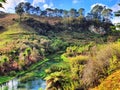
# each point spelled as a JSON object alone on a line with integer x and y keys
{"x": 14, "y": 32}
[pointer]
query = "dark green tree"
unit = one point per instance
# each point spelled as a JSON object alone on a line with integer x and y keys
{"x": 73, "y": 12}
{"x": 49, "y": 12}
{"x": 56, "y": 12}
{"x": 19, "y": 10}
{"x": 107, "y": 14}
{"x": 96, "y": 11}
{"x": 65, "y": 13}
{"x": 81, "y": 12}
{"x": 27, "y": 6}
{"x": 37, "y": 10}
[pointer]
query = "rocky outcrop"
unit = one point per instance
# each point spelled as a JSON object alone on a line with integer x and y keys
{"x": 97, "y": 30}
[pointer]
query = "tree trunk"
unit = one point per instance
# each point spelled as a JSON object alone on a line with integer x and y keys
{"x": 20, "y": 18}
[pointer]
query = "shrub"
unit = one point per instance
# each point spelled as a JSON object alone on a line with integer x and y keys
{"x": 104, "y": 62}
{"x": 57, "y": 45}
{"x": 12, "y": 73}
{"x": 73, "y": 51}
{"x": 57, "y": 68}
{"x": 77, "y": 65}
{"x": 81, "y": 59}
{"x": 58, "y": 81}
{"x": 112, "y": 82}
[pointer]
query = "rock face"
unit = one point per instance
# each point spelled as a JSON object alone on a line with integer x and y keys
{"x": 97, "y": 30}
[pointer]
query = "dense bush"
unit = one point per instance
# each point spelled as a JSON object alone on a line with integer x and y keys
{"x": 89, "y": 65}
{"x": 105, "y": 62}
{"x": 57, "y": 45}
{"x": 112, "y": 82}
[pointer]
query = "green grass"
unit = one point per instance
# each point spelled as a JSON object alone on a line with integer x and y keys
{"x": 4, "y": 79}
{"x": 14, "y": 32}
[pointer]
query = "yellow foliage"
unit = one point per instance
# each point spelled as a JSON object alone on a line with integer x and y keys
{"x": 112, "y": 82}
{"x": 80, "y": 57}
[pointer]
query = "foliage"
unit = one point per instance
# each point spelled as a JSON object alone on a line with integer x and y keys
{"x": 28, "y": 76}
{"x": 18, "y": 53}
{"x": 111, "y": 82}
{"x": 100, "y": 11}
{"x": 4, "y": 79}
{"x": 12, "y": 73}
{"x": 31, "y": 41}
{"x": 104, "y": 62}
{"x": 101, "y": 61}
{"x": 73, "y": 51}
{"x": 19, "y": 10}
{"x": 57, "y": 80}
{"x": 57, "y": 45}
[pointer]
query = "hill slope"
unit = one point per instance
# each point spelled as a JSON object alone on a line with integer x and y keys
{"x": 31, "y": 41}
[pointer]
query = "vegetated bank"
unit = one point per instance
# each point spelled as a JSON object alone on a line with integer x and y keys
{"x": 30, "y": 42}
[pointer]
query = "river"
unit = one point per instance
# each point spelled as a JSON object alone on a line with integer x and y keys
{"x": 37, "y": 84}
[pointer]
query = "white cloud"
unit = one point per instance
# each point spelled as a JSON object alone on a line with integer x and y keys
{"x": 116, "y": 20}
{"x": 115, "y": 7}
{"x": 43, "y": 3}
{"x": 10, "y": 5}
{"x": 97, "y": 4}
{"x": 75, "y": 1}
{"x": 36, "y": 2}
{"x": 51, "y": 5}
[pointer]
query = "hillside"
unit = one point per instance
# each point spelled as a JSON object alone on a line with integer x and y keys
{"x": 65, "y": 50}
{"x": 6, "y": 19}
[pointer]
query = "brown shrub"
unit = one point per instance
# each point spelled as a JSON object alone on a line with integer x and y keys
{"x": 102, "y": 64}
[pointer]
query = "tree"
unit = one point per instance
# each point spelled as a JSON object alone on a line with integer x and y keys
{"x": 37, "y": 10}
{"x": 43, "y": 13}
{"x": 27, "y": 6}
{"x": 19, "y": 10}
{"x": 107, "y": 14}
{"x": 61, "y": 12}
{"x": 49, "y": 12}
{"x": 81, "y": 11}
{"x": 31, "y": 10}
{"x": 96, "y": 11}
{"x": 65, "y": 13}
{"x": 56, "y": 12}
{"x": 73, "y": 12}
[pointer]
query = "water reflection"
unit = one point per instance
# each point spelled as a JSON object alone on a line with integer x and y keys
{"x": 29, "y": 85}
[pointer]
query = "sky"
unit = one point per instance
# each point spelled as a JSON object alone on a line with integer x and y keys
{"x": 64, "y": 4}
